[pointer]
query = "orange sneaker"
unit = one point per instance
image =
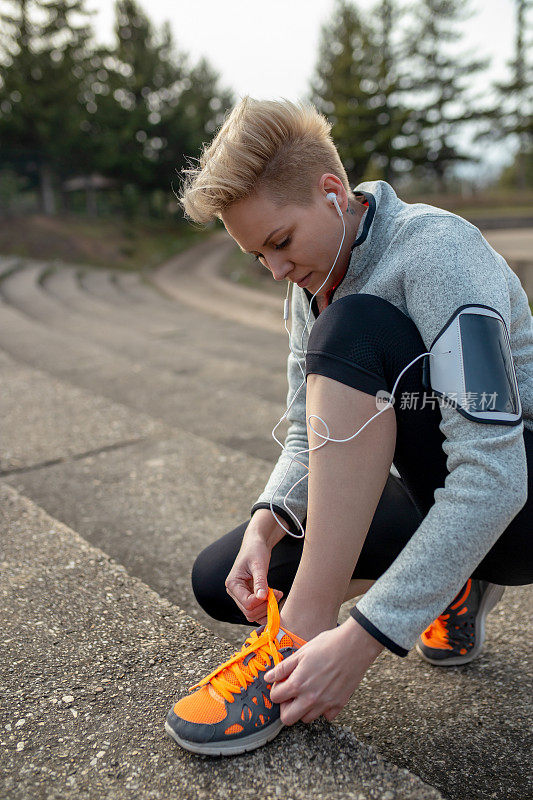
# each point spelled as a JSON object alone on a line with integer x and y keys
{"x": 457, "y": 636}
{"x": 231, "y": 711}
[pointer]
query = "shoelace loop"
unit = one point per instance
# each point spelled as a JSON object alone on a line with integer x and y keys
{"x": 263, "y": 645}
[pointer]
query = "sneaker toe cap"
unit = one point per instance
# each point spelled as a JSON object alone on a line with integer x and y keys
{"x": 435, "y": 653}
{"x": 194, "y": 732}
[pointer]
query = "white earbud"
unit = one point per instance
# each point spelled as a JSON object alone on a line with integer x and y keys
{"x": 332, "y": 197}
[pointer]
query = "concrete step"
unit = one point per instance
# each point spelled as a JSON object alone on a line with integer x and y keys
{"x": 215, "y": 336}
{"x": 68, "y": 286}
{"x": 52, "y": 299}
{"x": 101, "y": 285}
{"x": 9, "y": 264}
{"x": 154, "y": 502}
{"x": 124, "y": 480}
{"x": 141, "y": 334}
{"x": 45, "y": 420}
{"x": 130, "y": 373}
{"x": 92, "y": 661}
{"x": 216, "y": 327}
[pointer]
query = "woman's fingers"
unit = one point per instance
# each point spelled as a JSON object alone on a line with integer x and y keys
{"x": 247, "y": 582}
{"x": 260, "y": 583}
{"x": 331, "y": 713}
{"x": 282, "y": 670}
{"x": 257, "y": 613}
{"x": 251, "y": 606}
{"x": 289, "y": 713}
{"x": 240, "y": 593}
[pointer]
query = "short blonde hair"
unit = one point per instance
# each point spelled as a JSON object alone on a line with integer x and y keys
{"x": 278, "y": 147}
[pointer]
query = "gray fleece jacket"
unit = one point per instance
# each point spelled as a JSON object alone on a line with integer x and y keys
{"x": 428, "y": 262}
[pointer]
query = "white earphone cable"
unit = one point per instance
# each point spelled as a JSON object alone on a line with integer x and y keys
{"x": 326, "y": 438}
{"x": 332, "y": 197}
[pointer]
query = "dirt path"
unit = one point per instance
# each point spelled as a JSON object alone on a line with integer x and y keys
{"x": 193, "y": 278}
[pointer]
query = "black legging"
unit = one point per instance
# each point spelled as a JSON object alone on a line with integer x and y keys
{"x": 364, "y": 341}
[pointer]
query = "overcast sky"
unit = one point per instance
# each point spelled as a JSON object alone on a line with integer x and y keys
{"x": 269, "y": 49}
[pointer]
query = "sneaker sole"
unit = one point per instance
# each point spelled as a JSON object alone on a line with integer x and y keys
{"x": 492, "y": 596}
{"x": 251, "y": 742}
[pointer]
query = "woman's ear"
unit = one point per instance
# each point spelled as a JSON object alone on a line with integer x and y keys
{"x": 331, "y": 183}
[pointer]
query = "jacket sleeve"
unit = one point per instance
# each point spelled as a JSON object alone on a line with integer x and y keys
{"x": 448, "y": 264}
{"x": 296, "y": 438}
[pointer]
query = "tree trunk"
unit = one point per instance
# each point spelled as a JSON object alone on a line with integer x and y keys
{"x": 90, "y": 202}
{"x": 48, "y": 203}
{"x": 521, "y": 182}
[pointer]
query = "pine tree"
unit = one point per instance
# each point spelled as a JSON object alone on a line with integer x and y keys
{"x": 441, "y": 94}
{"x": 398, "y": 148}
{"x": 43, "y": 77}
{"x": 158, "y": 108}
{"x": 512, "y": 115}
{"x": 19, "y": 84}
{"x": 190, "y": 117}
{"x": 345, "y": 85}
{"x": 360, "y": 86}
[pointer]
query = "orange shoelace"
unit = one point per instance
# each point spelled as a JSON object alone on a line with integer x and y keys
{"x": 230, "y": 677}
{"x": 437, "y": 634}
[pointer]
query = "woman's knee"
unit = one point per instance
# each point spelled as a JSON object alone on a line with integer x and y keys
{"x": 362, "y": 330}
{"x": 351, "y": 342}
{"x": 353, "y": 317}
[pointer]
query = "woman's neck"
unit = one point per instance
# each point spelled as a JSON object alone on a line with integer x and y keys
{"x": 352, "y": 219}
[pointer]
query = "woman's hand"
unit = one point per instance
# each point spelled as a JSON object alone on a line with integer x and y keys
{"x": 247, "y": 580}
{"x": 322, "y": 675}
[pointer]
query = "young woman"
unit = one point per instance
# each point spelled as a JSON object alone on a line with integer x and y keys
{"x": 377, "y": 283}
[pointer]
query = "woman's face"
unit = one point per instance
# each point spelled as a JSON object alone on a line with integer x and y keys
{"x": 296, "y": 243}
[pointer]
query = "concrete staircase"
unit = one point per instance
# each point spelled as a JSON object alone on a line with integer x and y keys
{"x": 135, "y": 431}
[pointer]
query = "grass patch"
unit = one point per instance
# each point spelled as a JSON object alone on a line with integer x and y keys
{"x": 118, "y": 244}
